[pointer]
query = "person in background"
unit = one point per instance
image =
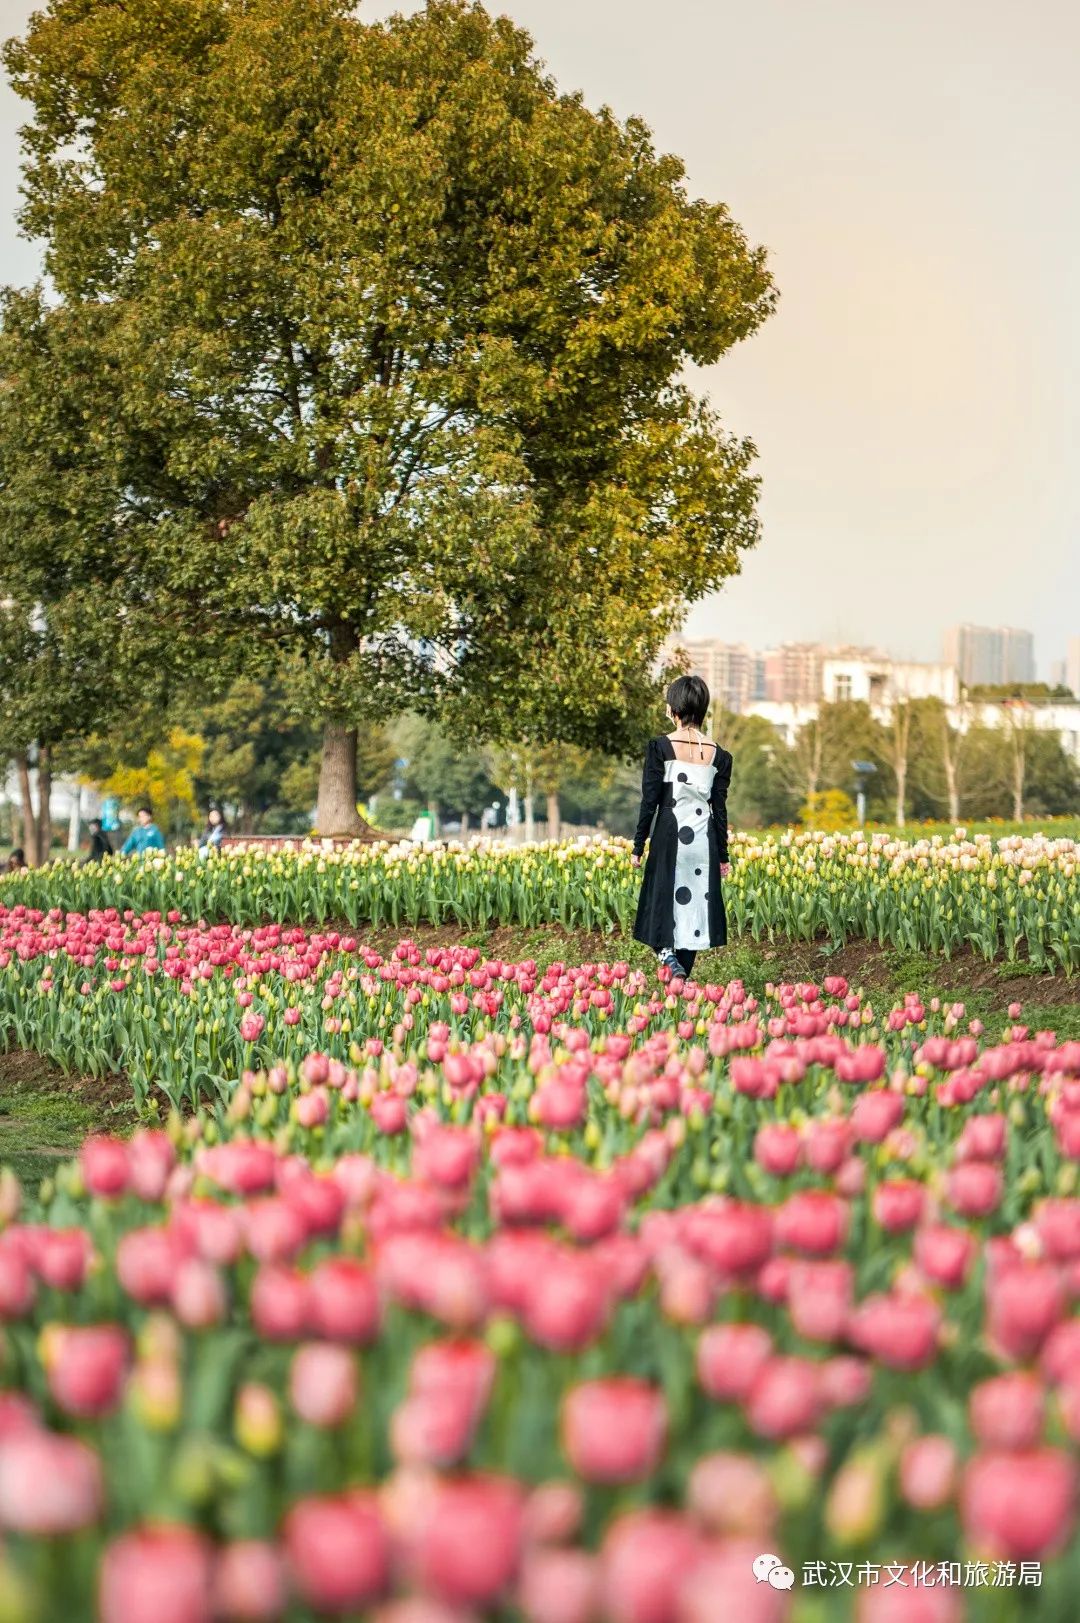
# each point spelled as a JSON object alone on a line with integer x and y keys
{"x": 145, "y": 836}
{"x": 16, "y": 860}
{"x": 100, "y": 844}
{"x": 683, "y": 816}
{"x": 213, "y": 833}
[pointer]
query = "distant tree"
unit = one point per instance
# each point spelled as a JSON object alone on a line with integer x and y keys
{"x": 830, "y": 811}
{"x": 449, "y": 780}
{"x": 761, "y": 781}
{"x": 166, "y": 780}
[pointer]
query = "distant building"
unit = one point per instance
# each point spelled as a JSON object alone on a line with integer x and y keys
{"x": 879, "y": 681}
{"x": 1072, "y": 666}
{"x": 795, "y": 671}
{"x": 990, "y": 656}
{"x": 733, "y": 673}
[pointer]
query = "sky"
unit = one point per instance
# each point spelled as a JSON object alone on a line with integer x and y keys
{"x": 915, "y": 400}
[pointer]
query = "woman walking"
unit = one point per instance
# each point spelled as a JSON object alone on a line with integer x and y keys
{"x": 684, "y": 803}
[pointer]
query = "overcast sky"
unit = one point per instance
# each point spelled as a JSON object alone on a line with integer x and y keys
{"x": 916, "y": 399}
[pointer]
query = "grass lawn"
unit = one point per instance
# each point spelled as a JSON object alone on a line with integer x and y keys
{"x": 45, "y": 1113}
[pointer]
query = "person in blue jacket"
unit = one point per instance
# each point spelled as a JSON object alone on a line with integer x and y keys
{"x": 145, "y": 836}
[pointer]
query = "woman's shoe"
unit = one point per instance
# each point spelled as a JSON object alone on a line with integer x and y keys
{"x": 669, "y": 962}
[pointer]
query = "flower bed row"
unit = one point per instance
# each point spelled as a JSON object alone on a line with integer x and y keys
{"x": 563, "y": 1296}
{"x": 1018, "y": 897}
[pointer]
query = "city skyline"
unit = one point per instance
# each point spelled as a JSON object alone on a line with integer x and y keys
{"x": 915, "y": 398}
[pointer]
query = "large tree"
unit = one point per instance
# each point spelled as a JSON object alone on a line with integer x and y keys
{"x": 378, "y": 342}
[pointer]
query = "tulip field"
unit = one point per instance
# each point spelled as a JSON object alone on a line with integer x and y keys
{"x": 1017, "y": 897}
{"x": 436, "y": 1287}
{"x": 460, "y": 1288}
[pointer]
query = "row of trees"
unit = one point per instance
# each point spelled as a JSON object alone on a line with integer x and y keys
{"x": 246, "y": 752}
{"x": 360, "y": 373}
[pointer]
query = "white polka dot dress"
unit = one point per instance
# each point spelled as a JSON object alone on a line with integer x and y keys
{"x": 684, "y": 818}
{"x": 691, "y": 786}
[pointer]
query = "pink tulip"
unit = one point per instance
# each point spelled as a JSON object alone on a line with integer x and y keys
{"x": 156, "y": 1575}
{"x": 731, "y": 1494}
{"x": 344, "y": 1301}
{"x": 338, "y": 1552}
{"x": 104, "y": 1163}
{"x": 48, "y": 1484}
{"x": 899, "y": 1331}
{"x": 899, "y": 1204}
{"x": 1019, "y": 1506}
{"x": 469, "y": 1544}
{"x": 729, "y": 1359}
{"x": 1024, "y": 1305}
{"x": 876, "y": 1114}
{"x": 819, "y": 1298}
{"x": 975, "y": 1188}
{"x": 86, "y": 1368}
{"x": 902, "y": 1604}
{"x": 553, "y": 1513}
{"x": 778, "y": 1149}
{"x": 249, "y": 1583}
{"x": 944, "y": 1255}
{"x": 1007, "y": 1411}
{"x": 646, "y": 1557}
{"x": 785, "y": 1398}
{"x": 323, "y": 1384}
{"x": 151, "y": 1158}
{"x": 721, "y": 1584}
{"x": 280, "y": 1303}
{"x": 811, "y": 1222}
{"x": 845, "y": 1382}
{"x": 614, "y": 1430}
{"x": 559, "y": 1586}
{"x": 146, "y": 1263}
{"x": 929, "y": 1471}
{"x": 17, "y": 1289}
{"x": 198, "y": 1295}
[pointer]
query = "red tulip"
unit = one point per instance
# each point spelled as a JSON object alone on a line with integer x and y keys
{"x": 338, "y": 1552}
{"x": 876, "y": 1114}
{"x": 721, "y": 1584}
{"x": 156, "y": 1575}
{"x": 280, "y": 1303}
{"x": 1019, "y": 1506}
{"x": 614, "y": 1430}
{"x": 553, "y": 1513}
{"x": 17, "y": 1290}
{"x": 845, "y": 1382}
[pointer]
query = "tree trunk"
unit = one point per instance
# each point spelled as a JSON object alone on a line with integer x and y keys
{"x": 433, "y": 813}
{"x": 554, "y": 818}
{"x": 530, "y": 816}
{"x": 29, "y": 820}
{"x": 901, "y": 793}
{"x": 336, "y": 814}
{"x": 75, "y": 819}
{"x": 44, "y": 816}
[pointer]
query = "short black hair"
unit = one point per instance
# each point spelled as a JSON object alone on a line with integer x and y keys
{"x": 149, "y": 810}
{"x": 688, "y": 698}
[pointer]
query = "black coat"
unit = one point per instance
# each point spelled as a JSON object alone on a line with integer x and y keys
{"x": 684, "y": 805}
{"x": 100, "y": 846}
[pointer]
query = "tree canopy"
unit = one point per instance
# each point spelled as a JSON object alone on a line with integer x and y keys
{"x": 367, "y": 350}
